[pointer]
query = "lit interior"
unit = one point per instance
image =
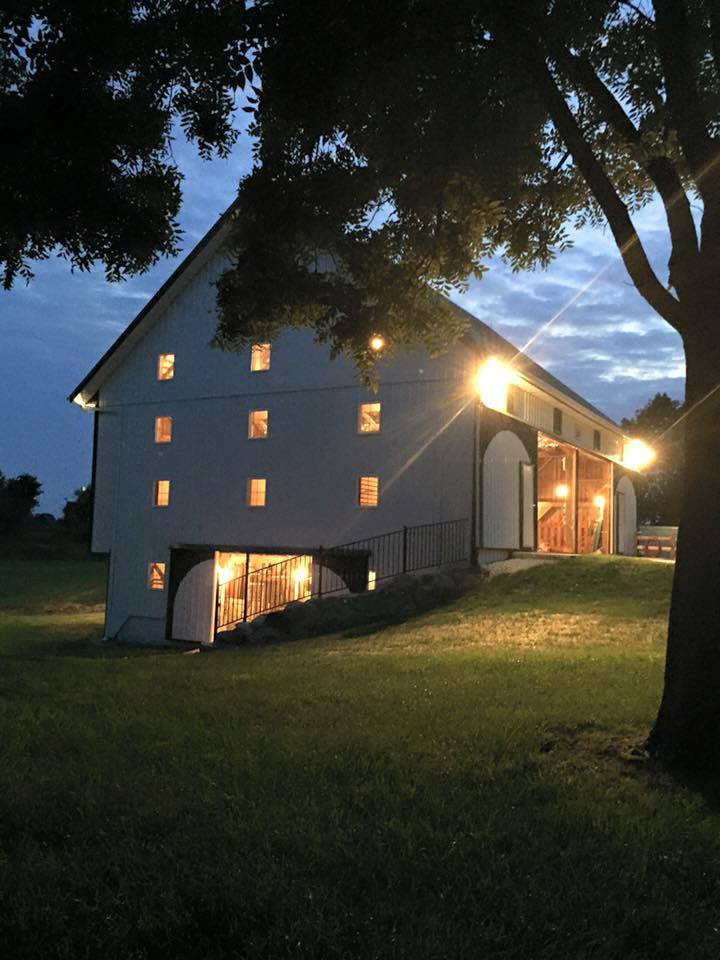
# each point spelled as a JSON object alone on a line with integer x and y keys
{"x": 368, "y": 491}
{"x": 369, "y": 418}
{"x": 260, "y": 357}
{"x": 166, "y": 366}
{"x": 573, "y": 500}
{"x": 162, "y": 493}
{"x": 280, "y": 580}
{"x": 258, "y": 424}
{"x": 257, "y": 487}
{"x": 163, "y": 429}
{"x": 156, "y": 576}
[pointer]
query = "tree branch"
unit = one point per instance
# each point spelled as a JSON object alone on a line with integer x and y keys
{"x": 713, "y": 8}
{"x": 659, "y": 168}
{"x": 675, "y": 47}
{"x": 618, "y": 218}
{"x": 641, "y": 13}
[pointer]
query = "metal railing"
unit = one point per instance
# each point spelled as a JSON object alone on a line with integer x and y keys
{"x": 353, "y": 567}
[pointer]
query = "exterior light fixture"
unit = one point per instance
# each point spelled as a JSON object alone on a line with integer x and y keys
{"x": 562, "y": 491}
{"x": 491, "y": 382}
{"x": 376, "y": 343}
{"x": 637, "y": 455}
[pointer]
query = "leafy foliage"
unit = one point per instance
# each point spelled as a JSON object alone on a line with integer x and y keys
{"x": 77, "y": 514}
{"x": 90, "y": 94}
{"x": 408, "y": 142}
{"x": 660, "y": 490}
{"x": 18, "y": 498}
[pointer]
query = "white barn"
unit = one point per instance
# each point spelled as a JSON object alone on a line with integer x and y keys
{"x": 210, "y": 465}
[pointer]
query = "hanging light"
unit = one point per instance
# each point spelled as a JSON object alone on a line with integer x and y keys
{"x": 599, "y": 501}
{"x": 376, "y": 343}
{"x": 637, "y": 454}
{"x": 562, "y": 491}
{"x": 491, "y": 382}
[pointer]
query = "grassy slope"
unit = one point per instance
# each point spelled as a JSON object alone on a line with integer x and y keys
{"x": 452, "y": 787}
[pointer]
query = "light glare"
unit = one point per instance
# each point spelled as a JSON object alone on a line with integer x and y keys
{"x": 637, "y": 455}
{"x": 491, "y": 383}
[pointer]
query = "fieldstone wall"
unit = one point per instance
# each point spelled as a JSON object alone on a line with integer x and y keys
{"x": 397, "y": 600}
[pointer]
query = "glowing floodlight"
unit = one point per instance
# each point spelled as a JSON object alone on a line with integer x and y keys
{"x": 491, "y": 383}
{"x": 562, "y": 491}
{"x": 377, "y": 343}
{"x": 599, "y": 501}
{"x": 637, "y": 454}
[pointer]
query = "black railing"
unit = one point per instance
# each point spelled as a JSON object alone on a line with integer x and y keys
{"x": 352, "y": 567}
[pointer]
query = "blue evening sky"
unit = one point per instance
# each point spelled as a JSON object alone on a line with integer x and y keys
{"x": 608, "y": 344}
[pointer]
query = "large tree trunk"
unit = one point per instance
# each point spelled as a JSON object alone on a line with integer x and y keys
{"x": 687, "y": 730}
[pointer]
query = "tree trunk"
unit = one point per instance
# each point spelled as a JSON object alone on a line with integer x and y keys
{"x": 687, "y": 730}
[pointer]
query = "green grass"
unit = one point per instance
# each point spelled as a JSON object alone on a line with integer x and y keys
{"x": 454, "y": 787}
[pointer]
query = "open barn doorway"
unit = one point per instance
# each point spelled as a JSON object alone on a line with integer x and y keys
{"x": 574, "y": 499}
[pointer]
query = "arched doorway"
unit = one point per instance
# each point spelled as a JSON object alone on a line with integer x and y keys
{"x": 625, "y": 517}
{"x": 508, "y": 507}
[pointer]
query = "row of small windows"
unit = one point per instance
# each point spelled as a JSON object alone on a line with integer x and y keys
{"x": 368, "y": 493}
{"x": 259, "y": 360}
{"x": 258, "y": 421}
{"x": 516, "y": 405}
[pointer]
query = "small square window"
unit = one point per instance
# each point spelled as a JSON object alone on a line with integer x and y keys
{"x": 258, "y": 424}
{"x": 557, "y": 420}
{"x": 260, "y": 357}
{"x": 368, "y": 489}
{"x": 166, "y": 366}
{"x": 256, "y": 492}
{"x": 369, "y": 418}
{"x": 597, "y": 440}
{"x": 162, "y": 493}
{"x": 156, "y": 576}
{"x": 163, "y": 429}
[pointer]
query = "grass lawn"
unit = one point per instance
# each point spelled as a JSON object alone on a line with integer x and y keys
{"x": 454, "y": 787}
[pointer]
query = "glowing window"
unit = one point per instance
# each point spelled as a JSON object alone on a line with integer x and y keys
{"x": 256, "y": 489}
{"x": 258, "y": 424}
{"x": 161, "y": 493}
{"x": 166, "y": 366}
{"x": 260, "y": 357}
{"x": 156, "y": 576}
{"x": 368, "y": 488}
{"x": 369, "y": 418}
{"x": 163, "y": 429}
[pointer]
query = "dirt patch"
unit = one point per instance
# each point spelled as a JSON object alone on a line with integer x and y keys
{"x": 515, "y": 565}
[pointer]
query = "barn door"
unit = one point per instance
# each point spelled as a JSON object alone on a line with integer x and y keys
{"x": 625, "y": 517}
{"x": 194, "y": 604}
{"x": 505, "y": 502}
{"x": 527, "y": 506}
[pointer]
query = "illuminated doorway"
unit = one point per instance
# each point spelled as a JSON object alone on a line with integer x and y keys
{"x": 594, "y": 502}
{"x": 556, "y": 470}
{"x": 574, "y": 499}
{"x": 253, "y": 583}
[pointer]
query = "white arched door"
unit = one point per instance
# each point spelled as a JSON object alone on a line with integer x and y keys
{"x": 508, "y": 494}
{"x": 625, "y": 517}
{"x": 194, "y": 605}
